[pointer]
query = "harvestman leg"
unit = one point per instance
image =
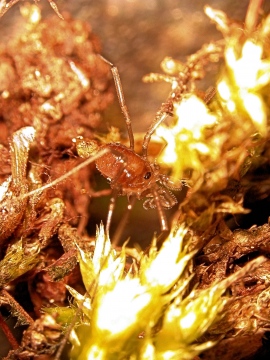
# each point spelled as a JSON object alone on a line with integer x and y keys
{"x": 161, "y": 116}
{"x": 124, "y": 109}
{"x": 7, "y": 6}
{"x": 161, "y": 215}
{"x": 122, "y": 102}
{"x": 125, "y": 218}
{"x": 159, "y": 119}
{"x": 110, "y": 213}
{"x": 121, "y": 226}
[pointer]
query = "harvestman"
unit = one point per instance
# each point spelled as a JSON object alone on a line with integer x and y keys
{"x": 129, "y": 173}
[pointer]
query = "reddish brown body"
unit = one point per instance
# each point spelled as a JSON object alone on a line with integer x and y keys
{"x": 125, "y": 170}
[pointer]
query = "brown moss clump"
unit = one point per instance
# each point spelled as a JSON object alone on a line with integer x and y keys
{"x": 52, "y": 78}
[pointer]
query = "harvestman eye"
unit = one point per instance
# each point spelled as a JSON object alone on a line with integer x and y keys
{"x": 147, "y": 175}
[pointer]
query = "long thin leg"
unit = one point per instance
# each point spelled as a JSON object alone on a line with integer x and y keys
{"x": 4, "y": 6}
{"x": 55, "y": 8}
{"x": 159, "y": 119}
{"x": 110, "y": 213}
{"x": 114, "y": 194}
{"x": 210, "y": 93}
{"x": 121, "y": 98}
{"x": 163, "y": 113}
{"x": 161, "y": 215}
{"x": 123, "y": 222}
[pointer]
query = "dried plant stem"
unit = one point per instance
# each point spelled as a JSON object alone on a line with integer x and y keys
{"x": 11, "y": 339}
{"x": 247, "y": 269}
{"x": 24, "y": 316}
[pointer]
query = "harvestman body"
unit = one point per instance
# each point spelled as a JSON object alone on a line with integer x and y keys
{"x": 129, "y": 173}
